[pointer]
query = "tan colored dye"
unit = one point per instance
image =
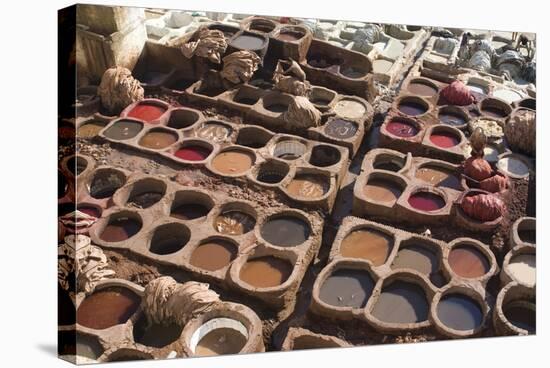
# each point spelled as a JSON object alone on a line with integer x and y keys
{"x": 382, "y": 191}
{"x": 220, "y": 341}
{"x": 438, "y": 177}
{"x": 232, "y": 162}
{"x": 368, "y": 244}
{"x": 265, "y": 272}
{"x": 309, "y": 186}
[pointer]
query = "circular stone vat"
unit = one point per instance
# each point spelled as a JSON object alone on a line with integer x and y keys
{"x": 219, "y": 336}
{"x": 123, "y": 129}
{"x": 388, "y": 162}
{"x": 438, "y": 176}
{"x": 158, "y": 139}
{"x": 477, "y": 88}
{"x": 349, "y": 109}
{"x": 528, "y": 103}
{"x": 272, "y": 172}
{"x": 193, "y": 151}
{"x": 422, "y": 87}
{"x": 121, "y": 226}
{"x": 90, "y": 129}
{"x": 290, "y": 34}
{"x": 214, "y": 132}
{"x": 253, "y": 137}
{"x": 155, "y": 335}
{"x": 262, "y": 25}
{"x": 309, "y": 186}
{"x": 128, "y": 354}
{"x": 381, "y": 66}
{"x": 495, "y": 108}
{"x": 507, "y": 95}
{"x": 402, "y": 128}
{"x": 401, "y": 302}
{"x": 426, "y": 201}
{"x": 106, "y": 182}
{"x": 522, "y": 267}
{"x": 514, "y": 166}
{"x": 107, "y": 307}
{"x": 182, "y": 118}
{"x": 369, "y": 244}
{"x": 89, "y": 209}
{"x": 353, "y": 72}
{"x": 214, "y": 254}
{"x": 289, "y": 150}
{"x": 285, "y": 230}
{"x": 169, "y": 238}
{"x": 453, "y": 116}
{"x": 265, "y": 272}
{"x": 527, "y": 231}
{"x": 444, "y": 139}
{"x": 146, "y": 192}
{"x": 521, "y": 314}
{"x": 321, "y": 97}
{"x": 147, "y": 111}
{"x": 467, "y": 261}
{"x": 188, "y": 205}
{"x": 383, "y": 190}
{"x": 77, "y": 165}
{"x": 417, "y": 256}
{"x": 412, "y": 106}
{"x": 234, "y": 222}
{"x": 233, "y": 161}
{"x": 341, "y": 129}
{"x": 324, "y": 156}
{"x": 459, "y": 312}
{"x": 347, "y": 288}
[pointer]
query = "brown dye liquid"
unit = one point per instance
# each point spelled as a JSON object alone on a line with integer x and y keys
{"x": 233, "y": 162}
{"x": 341, "y": 129}
{"x": 234, "y": 223}
{"x": 529, "y": 236}
{"x": 145, "y": 199}
{"x": 401, "y": 302}
{"x": 347, "y": 288}
{"x": 220, "y": 341}
{"x": 494, "y": 112}
{"x": 369, "y": 244}
{"x": 213, "y": 255}
{"x": 308, "y": 186}
{"x": 189, "y": 211}
{"x": 123, "y": 129}
{"x": 467, "y": 261}
{"x": 90, "y": 129}
{"x": 107, "y": 307}
{"x": 157, "y": 140}
{"x": 521, "y": 316}
{"x": 418, "y": 258}
{"x": 422, "y": 89}
{"x": 120, "y": 229}
{"x": 154, "y": 334}
{"x": 459, "y": 312}
{"x": 382, "y": 191}
{"x": 438, "y": 177}
{"x": 247, "y": 42}
{"x": 289, "y": 36}
{"x": 285, "y": 231}
{"x": 265, "y": 272}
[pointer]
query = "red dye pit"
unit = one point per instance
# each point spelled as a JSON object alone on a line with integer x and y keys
{"x": 426, "y": 201}
{"x": 401, "y": 129}
{"x": 147, "y": 112}
{"x": 444, "y": 140}
{"x": 192, "y": 153}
